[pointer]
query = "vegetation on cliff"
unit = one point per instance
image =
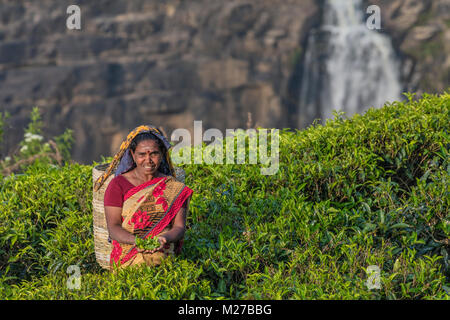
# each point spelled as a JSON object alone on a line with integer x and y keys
{"x": 372, "y": 190}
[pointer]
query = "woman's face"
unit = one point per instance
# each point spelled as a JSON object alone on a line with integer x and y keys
{"x": 147, "y": 157}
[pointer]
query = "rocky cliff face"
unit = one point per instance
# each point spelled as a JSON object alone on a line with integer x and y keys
{"x": 169, "y": 63}
{"x": 166, "y": 63}
{"x": 420, "y": 31}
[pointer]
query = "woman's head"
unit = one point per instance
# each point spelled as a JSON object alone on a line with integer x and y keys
{"x": 143, "y": 137}
{"x": 148, "y": 153}
{"x": 125, "y": 159}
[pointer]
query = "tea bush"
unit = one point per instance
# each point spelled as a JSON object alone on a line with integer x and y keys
{"x": 33, "y": 148}
{"x": 369, "y": 190}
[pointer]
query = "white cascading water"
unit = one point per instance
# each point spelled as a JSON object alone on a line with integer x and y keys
{"x": 347, "y": 66}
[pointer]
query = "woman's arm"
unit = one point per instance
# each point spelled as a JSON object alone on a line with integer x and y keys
{"x": 114, "y": 222}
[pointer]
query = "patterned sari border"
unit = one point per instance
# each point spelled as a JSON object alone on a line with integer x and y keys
{"x": 141, "y": 187}
{"x": 171, "y": 211}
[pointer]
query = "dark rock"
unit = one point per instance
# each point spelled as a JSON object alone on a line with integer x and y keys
{"x": 166, "y": 63}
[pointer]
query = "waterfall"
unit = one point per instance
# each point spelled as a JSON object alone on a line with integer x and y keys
{"x": 347, "y": 66}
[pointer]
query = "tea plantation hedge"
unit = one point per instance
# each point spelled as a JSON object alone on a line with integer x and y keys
{"x": 369, "y": 190}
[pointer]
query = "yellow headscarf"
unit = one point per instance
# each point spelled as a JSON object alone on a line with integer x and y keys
{"x": 124, "y": 147}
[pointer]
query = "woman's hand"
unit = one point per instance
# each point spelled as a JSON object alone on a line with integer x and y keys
{"x": 161, "y": 239}
{"x": 139, "y": 250}
{"x": 173, "y": 235}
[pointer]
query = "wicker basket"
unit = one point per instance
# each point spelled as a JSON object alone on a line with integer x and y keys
{"x": 101, "y": 244}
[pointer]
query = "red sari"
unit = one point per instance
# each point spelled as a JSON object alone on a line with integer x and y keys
{"x": 148, "y": 211}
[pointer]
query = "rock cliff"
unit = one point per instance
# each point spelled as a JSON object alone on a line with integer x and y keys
{"x": 166, "y": 63}
{"x": 169, "y": 63}
{"x": 420, "y": 32}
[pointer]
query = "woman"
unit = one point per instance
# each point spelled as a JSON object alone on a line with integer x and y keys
{"x": 144, "y": 199}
